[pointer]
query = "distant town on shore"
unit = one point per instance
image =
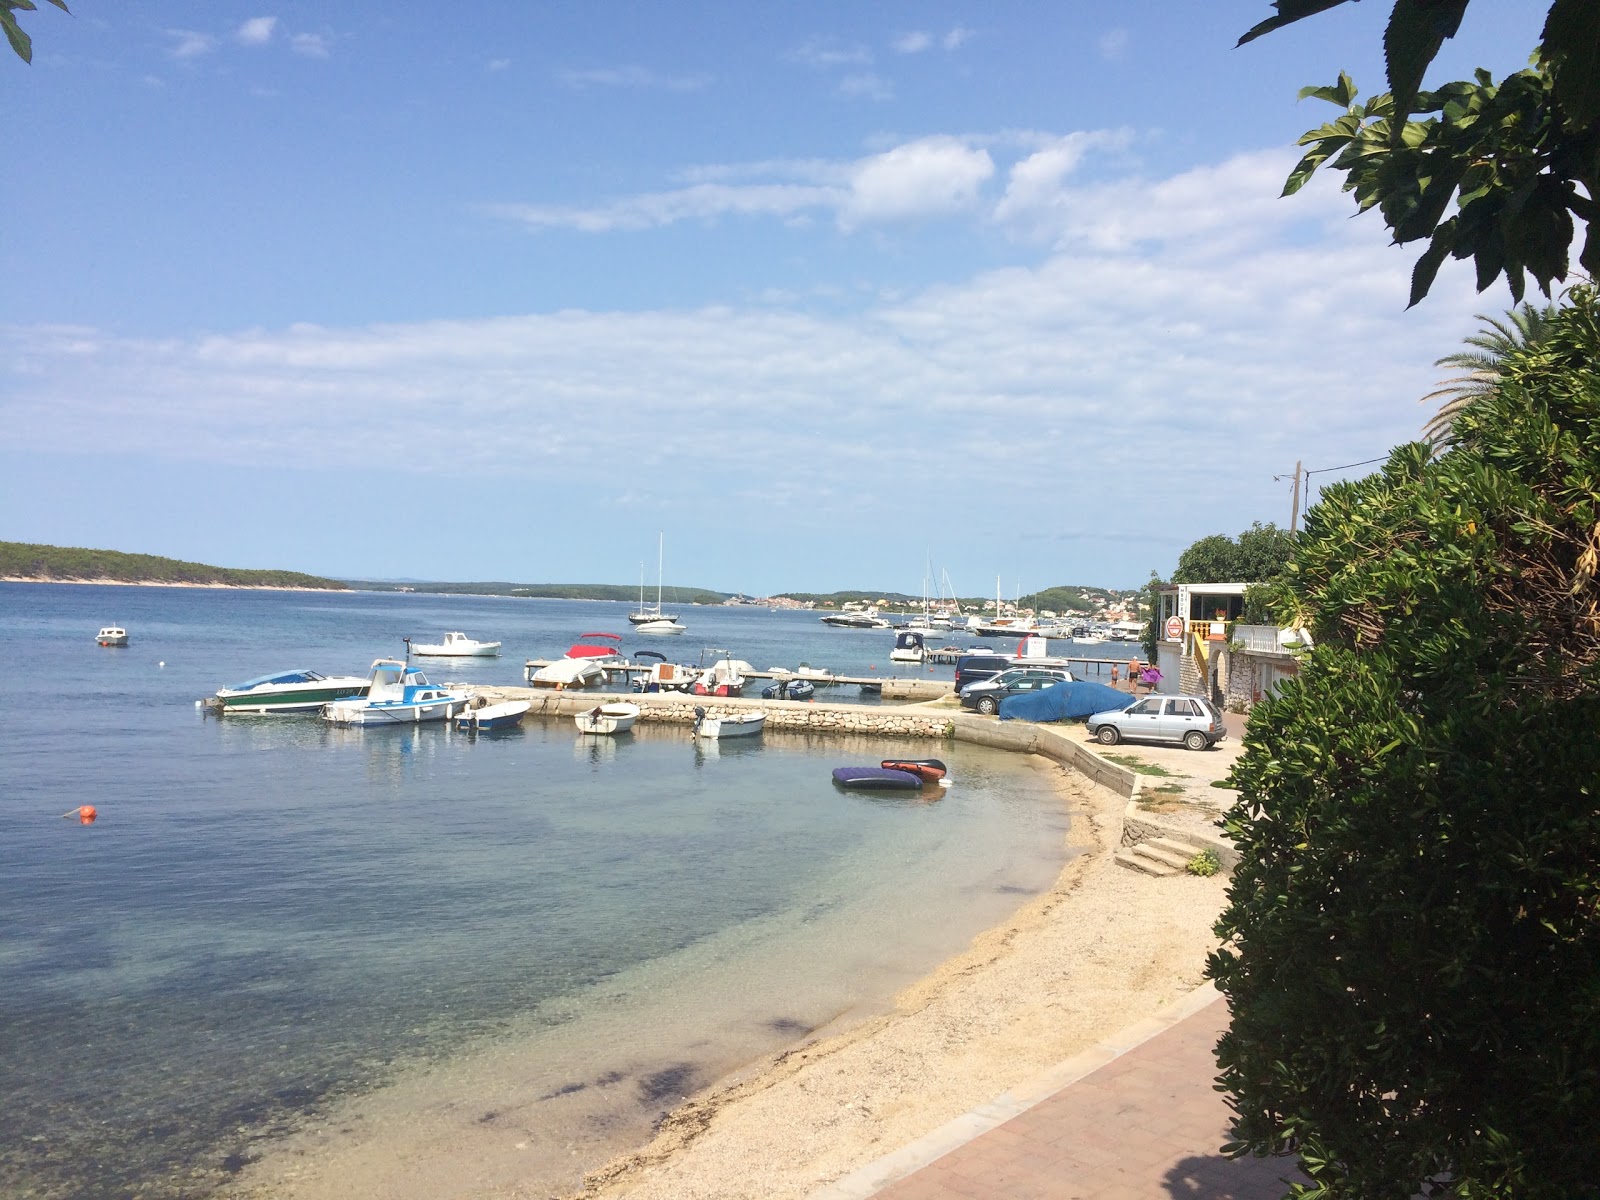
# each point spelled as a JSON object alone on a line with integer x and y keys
{"x": 26, "y": 562}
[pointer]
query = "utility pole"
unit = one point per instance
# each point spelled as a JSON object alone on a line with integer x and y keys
{"x": 1294, "y": 511}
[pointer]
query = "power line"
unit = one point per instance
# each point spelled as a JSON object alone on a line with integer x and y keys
{"x": 1347, "y": 466}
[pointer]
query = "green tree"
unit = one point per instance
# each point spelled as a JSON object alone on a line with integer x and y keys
{"x": 1412, "y": 938}
{"x": 1520, "y": 159}
{"x": 1258, "y": 554}
{"x": 20, "y": 41}
{"x": 1524, "y": 325}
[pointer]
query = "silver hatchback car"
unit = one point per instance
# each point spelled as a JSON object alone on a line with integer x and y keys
{"x": 1191, "y": 720}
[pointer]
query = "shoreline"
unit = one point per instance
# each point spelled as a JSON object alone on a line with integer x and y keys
{"x": 1102, "y": 948}
{"x": 239, "y": 587}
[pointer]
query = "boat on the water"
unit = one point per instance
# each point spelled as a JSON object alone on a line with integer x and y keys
{"x": 877, "y": 779}
{"x": 643, "y": 616}
{"x": 456, "y": 645}
{"x": 929, "y": 770}
{"x": 507, "y": 714}
{"x": 724, "y": 677}
{"x": 397, "y": 694}
{"x": 663, "y": 676}
{"x": 789, "y": 689}
{"x": 288, "y": 692}
{"x": 661, "y": 627}
{"x": 607, "y": 719}
{"x": 867, "y": 619}
{"x": 734, "y": 725}
{"x": 908, "y": 647}
{"x": 112, "y": 635}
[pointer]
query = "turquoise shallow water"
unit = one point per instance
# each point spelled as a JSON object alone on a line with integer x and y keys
{"x": 272, "y": 915}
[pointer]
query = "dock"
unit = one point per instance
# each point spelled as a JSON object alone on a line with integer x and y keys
{"x": 890, "y": 687}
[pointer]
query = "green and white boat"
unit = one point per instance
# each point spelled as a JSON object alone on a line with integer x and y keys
{"x": 289, "y": 692}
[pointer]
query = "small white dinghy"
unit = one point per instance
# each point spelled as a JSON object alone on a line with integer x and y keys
{"x": 605, "y": 719}
{"x": 507, "y": 714}
{"x": 733, "y": 725}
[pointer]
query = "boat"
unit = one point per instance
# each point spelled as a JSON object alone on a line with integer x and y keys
{"x": 724, "y": 677}
{"x": 734, "y": 725}
{"x": 929, "y": 770}
{"x": 877, "y": 779}
{"x": 867, "y": 619}
{"x": 397, "y": 694}
{"x": 664, "y": 627}
{"x": 649, "y": 616}
{"x": 807, "y": 671}
{"x": 112, "y": 635}
{"x": 663, "y": 676}
{"x": 288, "y": 692}
{"x": 789, "y": 689}
{"x": 908, "y": 647}
{"x": 456, "y": 645}
{"x": 608, "y": 718}
{"x": 585, "y": 661}
{"x": 507, "y": 714}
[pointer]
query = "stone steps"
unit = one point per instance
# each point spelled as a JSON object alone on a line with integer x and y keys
{"x": 1158, "y": 856}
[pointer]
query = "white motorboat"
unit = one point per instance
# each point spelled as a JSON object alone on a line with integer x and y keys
{"x": 112, "y": 635}
{"x": 507, "y": 714}
{"x": 607, "y": 719}
{"x": 456, "y": 645}
{"x": 663, "y": 627}
{"x": 908, "y": 647}
{"x": 397, "y": 694}
{"x": 288, "y": 692}
{"x": 584, "y": 662}
{"x": 734, "y": 725}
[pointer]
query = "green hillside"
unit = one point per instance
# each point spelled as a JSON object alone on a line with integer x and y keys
{"x": 43, "y": 564}
{"x": 543, "y": 591}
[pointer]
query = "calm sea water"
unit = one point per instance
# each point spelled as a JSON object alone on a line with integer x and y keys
{"x": 272, "y": 915}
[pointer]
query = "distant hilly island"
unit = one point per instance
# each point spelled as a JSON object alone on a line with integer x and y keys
{"x": 27, "y": 562}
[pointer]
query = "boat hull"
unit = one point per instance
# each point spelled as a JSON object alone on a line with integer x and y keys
{"x": 482, "y": 650}
{"x": 490, "y": 717}
{"x": 607, "y": 719}
{"x": 290, "y": 701}
{"x": 741, "y": 725}
{"x": 394, "y": 712}
{"x": 876, "y": 779}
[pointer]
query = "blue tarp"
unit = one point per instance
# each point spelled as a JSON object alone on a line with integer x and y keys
{"x": 1063, "y": 702}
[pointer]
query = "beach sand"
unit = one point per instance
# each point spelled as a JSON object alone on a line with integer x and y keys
{"x": 1102, "y": 949}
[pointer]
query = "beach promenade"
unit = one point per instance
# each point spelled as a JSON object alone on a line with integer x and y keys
{"x": 1133, "y": 1118}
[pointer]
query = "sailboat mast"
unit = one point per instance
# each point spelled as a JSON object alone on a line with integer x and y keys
{"x": 661, "y": 542}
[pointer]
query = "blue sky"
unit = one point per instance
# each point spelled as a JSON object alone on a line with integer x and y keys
{"x": 823, "y": 292}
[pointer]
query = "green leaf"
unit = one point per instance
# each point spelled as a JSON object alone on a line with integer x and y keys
{"x": 1416, "y": 30}
{"x": 1432, "y": 259}
{"x": 1289, "y": 11}
{"x": 1343, "y": 93}
{"x": 20, "y": 41}
{"x": 1570, "y": 45}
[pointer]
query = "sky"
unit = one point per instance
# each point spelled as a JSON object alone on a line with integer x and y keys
{"x": 826, "y": 295}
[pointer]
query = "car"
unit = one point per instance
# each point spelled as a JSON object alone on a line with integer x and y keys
{"x": 1192, "y": 721}
{"x": 985, "y": 694}
{"x": 972, "y": 667}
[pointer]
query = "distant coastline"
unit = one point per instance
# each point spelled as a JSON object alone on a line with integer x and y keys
{"x": 30, "y": 562}
{"x": 240, "y": 587}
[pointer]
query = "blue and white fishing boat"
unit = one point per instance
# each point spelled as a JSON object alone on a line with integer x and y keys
{"x": 397, "y": 694}
{"x": 789, "y": 689}
{"x": 507, "y": 714}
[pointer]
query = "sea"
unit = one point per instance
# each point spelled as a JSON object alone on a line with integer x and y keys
{"x": 273, "y": 923}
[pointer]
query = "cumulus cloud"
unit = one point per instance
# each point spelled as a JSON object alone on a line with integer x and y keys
{"x": 257, "y": 31}
{"x": 912, "y": 43}
{"x": 310, "y": 45}
{"x": 955, "y": 38}
{"x": 929, "y": 177}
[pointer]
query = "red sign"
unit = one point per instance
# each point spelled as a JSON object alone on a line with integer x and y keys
{"x": 1174, "y": 629}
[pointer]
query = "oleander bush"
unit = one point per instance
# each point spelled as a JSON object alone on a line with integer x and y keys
{"x": 1412, "y": 941}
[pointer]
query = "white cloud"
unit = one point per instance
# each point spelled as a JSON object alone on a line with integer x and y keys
{"x": 1113, "y": 45}
{"x": 912, "y": 43}
{"x": 498, "y": 64}
{"x": 191, "y": 43}
{"x": 829, "y": 54}
{"x": 310, "y": 45}
{"x": 929, "y": 177}
{"x": 955, "y": 38}
{"x": 866, "y": 86}
{"x": 257, "y": 31}
{"x": 632, "y": 77}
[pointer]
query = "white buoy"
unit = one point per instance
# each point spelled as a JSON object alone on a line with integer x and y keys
{"x": 161, "y": 664}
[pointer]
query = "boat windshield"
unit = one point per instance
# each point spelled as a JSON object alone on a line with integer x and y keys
{"x": 281, "y": 677}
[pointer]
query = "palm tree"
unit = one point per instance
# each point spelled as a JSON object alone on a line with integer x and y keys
{"x": 1522, "y": 327}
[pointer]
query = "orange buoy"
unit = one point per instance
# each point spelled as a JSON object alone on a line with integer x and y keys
{"x": 85, "y": 813}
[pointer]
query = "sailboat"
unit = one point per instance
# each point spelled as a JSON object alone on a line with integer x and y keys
{"x": 653, "y": 620}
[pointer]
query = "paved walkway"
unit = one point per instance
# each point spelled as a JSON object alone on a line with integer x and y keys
{"x": 1135, "y": 1118}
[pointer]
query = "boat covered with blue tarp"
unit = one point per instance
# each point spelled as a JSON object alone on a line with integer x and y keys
{"x": 1072, "y": 700}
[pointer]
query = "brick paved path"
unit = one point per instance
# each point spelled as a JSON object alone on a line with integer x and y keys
{"x": 1144, "y": 1125}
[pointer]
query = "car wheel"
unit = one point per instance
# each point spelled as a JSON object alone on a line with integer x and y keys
{"x": 1107, "y": 735}
{"x": 1196, "y": 740}
{"x": 988, "y": 705}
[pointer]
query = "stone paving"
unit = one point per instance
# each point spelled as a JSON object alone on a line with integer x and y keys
{"x": 1134, "y": 1119}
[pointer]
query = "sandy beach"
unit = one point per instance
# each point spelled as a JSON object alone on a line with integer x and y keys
{"x": 1103, "y": 948}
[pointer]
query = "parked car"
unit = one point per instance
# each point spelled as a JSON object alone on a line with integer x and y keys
{"x": 985, "y": 694}
{"x": 972, "y": 667}
{"x": 1191, "y": 720}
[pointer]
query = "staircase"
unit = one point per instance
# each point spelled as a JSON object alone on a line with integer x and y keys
{"x": 1157, "y": 856}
